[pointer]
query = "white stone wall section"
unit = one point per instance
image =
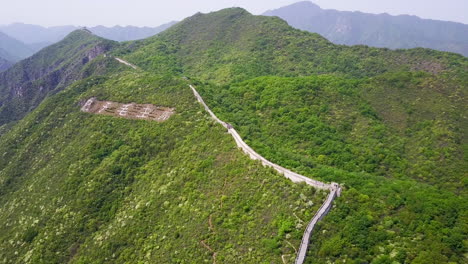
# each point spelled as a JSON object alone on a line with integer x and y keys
{"x": 334, "y": 188}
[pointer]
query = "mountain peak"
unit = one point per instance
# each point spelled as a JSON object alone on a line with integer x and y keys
{"x": 82, "y": 33}
{"x": 299, "y": 7}
{"x": 377, "y": 30}
{"x": 307, "y": 4}
{"x": 226, "y": 12}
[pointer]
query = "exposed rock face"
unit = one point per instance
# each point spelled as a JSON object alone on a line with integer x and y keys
{"x": 25, "y": 85}
{"x": 95, "y": 51}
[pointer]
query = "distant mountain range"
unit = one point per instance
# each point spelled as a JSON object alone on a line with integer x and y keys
{"x": 19, "y": 41}
{"x": 382, "y": 30}
{"x": 38, "y": 35}
{"x": 12, "y": 49}
{"x": 128, "y": 33}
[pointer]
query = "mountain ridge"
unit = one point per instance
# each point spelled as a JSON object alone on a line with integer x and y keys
{"x": 28, "y": 82}
{"x": 387, "y": 125}
{"x": 379, "y": 30}
{"x": 245, "y": 48}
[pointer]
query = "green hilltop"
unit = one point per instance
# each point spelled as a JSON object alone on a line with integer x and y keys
{"x": 387, "y": 125}
{"x": 233, "y": 45}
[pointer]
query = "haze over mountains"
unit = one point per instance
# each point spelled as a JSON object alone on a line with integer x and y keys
{"x": 12, "y": 49}
{"x": 4, "y": 64}
{"x": 377, "y": 30}
{"x": 19, "y": 41}
{"x": 33, "y": 34}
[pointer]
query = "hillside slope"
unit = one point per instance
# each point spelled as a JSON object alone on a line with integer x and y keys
{"x": 383, "y": 30}
{"x": 388, "y": 125}
{"x": 27, "y": 83}
{"x": 111, "y": 190}
{"x": 383, "y": 122}
{"x": 233, "y": 45}
{"x": 417, "y": 133}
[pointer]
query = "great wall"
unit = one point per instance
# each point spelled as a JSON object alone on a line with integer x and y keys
{"x": 334, "y": 188}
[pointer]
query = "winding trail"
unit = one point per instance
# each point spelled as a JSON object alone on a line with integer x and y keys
{"x": 334, "y": 188}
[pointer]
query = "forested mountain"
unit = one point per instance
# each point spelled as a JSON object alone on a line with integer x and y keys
{"x": 12, "y": 49}
{"x": 27, "y": 83}
{"x": 387, "y": 125}
{"x": 383, "y": 30}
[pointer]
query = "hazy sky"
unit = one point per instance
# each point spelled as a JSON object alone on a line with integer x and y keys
{"x": 156, "y": 12}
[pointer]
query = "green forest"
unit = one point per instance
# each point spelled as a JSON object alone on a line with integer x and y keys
{"x": 395, "y": 203}
{"x": 84, "y": 188}
{"x": 388, "y": 126}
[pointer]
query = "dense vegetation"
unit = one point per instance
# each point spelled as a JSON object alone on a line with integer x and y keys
{"x": 83, "y": 188}
{"x": 388, "y": 125}
{"x": 233, "y": 45}
{"x": 382, "y": 30}
{"x": 388, "y": 155}
{"x": 343, "y": 123}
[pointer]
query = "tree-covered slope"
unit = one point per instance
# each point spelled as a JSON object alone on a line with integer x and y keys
{"x": 232, "y": 45}
{"x": 394, "y": 125}
{"x": 83, "y": 188}
{"x": 397, "y": 141}
{"x": 26, "y": 84}
{"x": 382, "y": 30}
{"x": 389, "y": 125}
